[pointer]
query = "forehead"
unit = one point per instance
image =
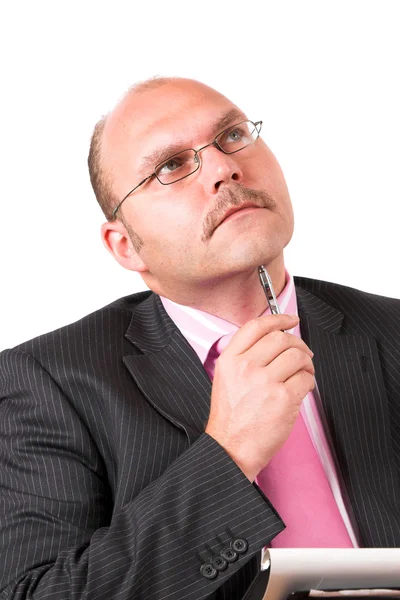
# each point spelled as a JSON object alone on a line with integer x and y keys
{"x": 172, "y": 113}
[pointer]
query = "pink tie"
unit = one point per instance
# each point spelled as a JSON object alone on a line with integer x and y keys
{"x": 296, "y": 485}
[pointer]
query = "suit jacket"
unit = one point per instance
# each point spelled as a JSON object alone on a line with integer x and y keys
{"x": 109, "y": 487}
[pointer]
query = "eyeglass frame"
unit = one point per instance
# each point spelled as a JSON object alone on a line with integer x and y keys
{"x": 257, "y": 125}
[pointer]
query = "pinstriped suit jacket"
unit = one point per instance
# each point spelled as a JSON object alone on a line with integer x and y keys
{"x": 109, "y": 489}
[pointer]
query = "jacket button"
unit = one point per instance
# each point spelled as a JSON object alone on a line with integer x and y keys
{"x": 229, "y": 555}
{"x": 240, "y": 545}
{"x": 219, "y": 563}
{"x": 208, "y": 571}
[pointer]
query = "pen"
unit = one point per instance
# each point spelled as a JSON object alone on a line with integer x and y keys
{"x": 266, "y": 283}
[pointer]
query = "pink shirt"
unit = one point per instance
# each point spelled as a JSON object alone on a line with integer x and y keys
{"x": 202, "y": 330}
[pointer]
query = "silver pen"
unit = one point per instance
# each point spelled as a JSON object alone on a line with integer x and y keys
{"x": 268, "y": 290}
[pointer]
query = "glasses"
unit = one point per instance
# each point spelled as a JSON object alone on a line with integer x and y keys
{"x": 185, "y": 163}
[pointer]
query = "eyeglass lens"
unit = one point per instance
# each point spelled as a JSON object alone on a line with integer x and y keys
{"x": 185, "y": 163}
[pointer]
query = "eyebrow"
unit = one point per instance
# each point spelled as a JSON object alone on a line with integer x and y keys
{"x": 160, "y": 154}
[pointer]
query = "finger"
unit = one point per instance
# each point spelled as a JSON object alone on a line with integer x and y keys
{"x": 300, "y": 384}
{"x": 256, "y": 329}
{"x": 288, "y": 364}
{"x": 272, "y": 345}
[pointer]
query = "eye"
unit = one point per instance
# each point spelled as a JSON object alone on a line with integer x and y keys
{"x": 177, "y": 166}
{"x": 170, "y": 165}
{"x": 234, "y": 138}
{"x": 235, "y": 135}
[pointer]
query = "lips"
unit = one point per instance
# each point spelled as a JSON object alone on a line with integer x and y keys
{"x": 235, "y": 209}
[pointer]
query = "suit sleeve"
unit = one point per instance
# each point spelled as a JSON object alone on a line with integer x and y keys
{"x": 60, "y": 537}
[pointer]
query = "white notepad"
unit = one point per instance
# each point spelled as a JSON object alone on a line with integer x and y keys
{"x": 353, "y": 571}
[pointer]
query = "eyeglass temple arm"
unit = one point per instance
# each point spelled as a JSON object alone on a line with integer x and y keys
{"x": 114, "y": 212}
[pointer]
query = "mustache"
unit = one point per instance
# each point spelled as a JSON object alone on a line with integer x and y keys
{"x": 234, "y": 196}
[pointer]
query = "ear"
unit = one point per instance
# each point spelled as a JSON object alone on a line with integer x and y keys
{"x": 117, "y": 241}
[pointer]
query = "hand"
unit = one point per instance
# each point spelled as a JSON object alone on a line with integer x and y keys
{"x": 260, "y": 380}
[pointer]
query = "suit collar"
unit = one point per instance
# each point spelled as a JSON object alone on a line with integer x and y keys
{"x": 168, "y": 372}
{"x": 321, "y": 313}
{"x": 150, "y": 328}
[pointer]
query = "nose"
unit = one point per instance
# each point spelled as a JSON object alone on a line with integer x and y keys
{"x": 218, "y": 168}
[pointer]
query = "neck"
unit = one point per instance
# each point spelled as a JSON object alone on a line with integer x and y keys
{"x": 237, "y": 299}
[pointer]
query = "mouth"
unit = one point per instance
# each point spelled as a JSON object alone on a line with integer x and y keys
{"x": 236, "y": 211}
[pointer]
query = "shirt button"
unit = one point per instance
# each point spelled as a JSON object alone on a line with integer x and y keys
{"x": 240, "y": 545}
{"x": 208, "y": 571}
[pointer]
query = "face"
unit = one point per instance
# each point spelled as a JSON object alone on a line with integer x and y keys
{"x": 188, "y": 239}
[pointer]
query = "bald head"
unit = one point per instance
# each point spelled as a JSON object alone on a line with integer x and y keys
{"x": 139, "y": 112}
{"x": 100, "y": 176}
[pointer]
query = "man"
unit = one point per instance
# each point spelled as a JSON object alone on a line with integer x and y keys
{"x": 145, "y": 449}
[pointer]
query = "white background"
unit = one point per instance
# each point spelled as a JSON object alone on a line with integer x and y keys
{"x": 323, "y": 76}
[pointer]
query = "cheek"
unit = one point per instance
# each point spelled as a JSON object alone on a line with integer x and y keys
{"x": 273, "y": 178}
{"x": 270, "y": 170}
{"x": 168, "y": 224}
{"x": 272, "y": 181}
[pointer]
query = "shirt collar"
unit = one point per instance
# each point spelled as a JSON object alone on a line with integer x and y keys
{"x": 202, "y": 329}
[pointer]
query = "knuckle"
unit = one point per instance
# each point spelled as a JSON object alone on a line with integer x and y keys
{"x": 239, "y": 367}
{"x": 303, "y": 347}
{"x": 265, "y": 324}
{"x": 253, "y": 326}
{"x": 279, "y": 392}
{"x": 295, "y": 355}
{"x": 243, "y": 367}
{"x": 278, "y": 338}
{"x": 283, "y": 395}
{"x": 308, "y": 380}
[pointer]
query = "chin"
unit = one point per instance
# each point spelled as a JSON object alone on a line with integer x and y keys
{"x": 240, "y": 262}
{"x": 255, "y": 250}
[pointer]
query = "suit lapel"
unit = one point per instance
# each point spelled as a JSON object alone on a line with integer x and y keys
{"x": 348, "y": 372}
{"x": 168, "y": 372}
{"x": 349, "y": 378}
